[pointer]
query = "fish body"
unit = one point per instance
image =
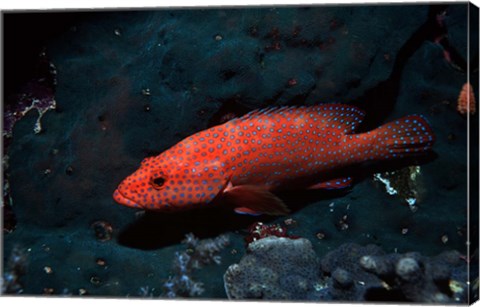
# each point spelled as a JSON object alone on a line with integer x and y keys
{"x": 247, "y": 158}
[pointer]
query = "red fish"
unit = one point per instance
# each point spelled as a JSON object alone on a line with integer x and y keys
{"x": 247, "y": 158}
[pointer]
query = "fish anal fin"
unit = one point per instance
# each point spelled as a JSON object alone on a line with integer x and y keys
{"x": 338, "y": 183}
{"x": 250, "y": 199}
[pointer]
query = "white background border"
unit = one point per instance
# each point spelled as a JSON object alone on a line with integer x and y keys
{"x": 7, "y": 5}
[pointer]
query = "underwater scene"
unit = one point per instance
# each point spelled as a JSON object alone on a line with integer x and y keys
{"x": 290, "y": 153}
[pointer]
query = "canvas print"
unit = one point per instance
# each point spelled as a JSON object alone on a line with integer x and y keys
{"x": 320, "y": 153}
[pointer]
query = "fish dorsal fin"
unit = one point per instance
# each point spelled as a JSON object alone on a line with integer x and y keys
{"x": 259, "y": 113}
{"x": 337, "y": 116}
{"x": 343, "y": 117}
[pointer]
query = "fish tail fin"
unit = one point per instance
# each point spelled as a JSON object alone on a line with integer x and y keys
{"x": 407, "y": 136}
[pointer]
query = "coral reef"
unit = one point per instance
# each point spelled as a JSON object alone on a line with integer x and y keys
{"x": 287, "y": 269}
{"x": 258, "y": 230}
{"x": 406, "y": 183}
{"x": 466, "y": 100}
{"x": 15, "y": 268}
{"x": 418, "y": 278}
{"x": 399, "y": 277}
{"x": 38, "y": 94}
{"x": 198, "y": 254}
{"x": 275, "y": 269}
{"x": 348, "y": 280}
{"x": 103, "y": 230}
{"x": 9, "y": 220}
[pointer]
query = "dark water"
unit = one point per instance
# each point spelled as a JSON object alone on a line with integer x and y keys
{"x": 132, "y": 84}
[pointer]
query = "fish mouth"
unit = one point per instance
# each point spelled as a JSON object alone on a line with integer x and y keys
{"x": 121, "y": 199}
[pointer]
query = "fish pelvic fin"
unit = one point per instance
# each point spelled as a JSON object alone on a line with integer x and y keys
{"x": 255, "y": 200}
{"x": 408, "y": 136}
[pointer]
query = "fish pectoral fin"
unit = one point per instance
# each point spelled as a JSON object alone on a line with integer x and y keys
{"x": 338, "y": 183}
{"x": 254, "y": 200}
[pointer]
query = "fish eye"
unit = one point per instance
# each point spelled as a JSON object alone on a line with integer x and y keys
{"x": 158, "y": 182}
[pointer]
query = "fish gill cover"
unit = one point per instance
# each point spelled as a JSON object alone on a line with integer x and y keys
{"x": 90, "y": 95}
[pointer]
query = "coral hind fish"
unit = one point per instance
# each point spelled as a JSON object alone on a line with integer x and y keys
{"x": 247, "y": 158}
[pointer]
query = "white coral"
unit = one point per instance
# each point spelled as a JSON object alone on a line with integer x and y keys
{"x": 197, "y": 254}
